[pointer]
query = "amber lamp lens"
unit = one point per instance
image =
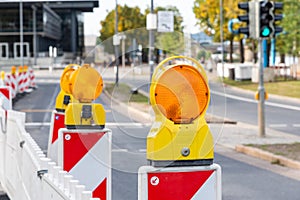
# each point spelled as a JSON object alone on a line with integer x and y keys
{"x": 87, "y": 84}
{"x": 181, "y": 94}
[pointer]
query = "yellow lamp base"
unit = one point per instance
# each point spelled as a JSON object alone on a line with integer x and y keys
{"x": 180, "y": 144}
{"x": 84, "y": 116}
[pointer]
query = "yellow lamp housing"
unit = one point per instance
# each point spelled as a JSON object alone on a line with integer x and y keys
{"x": 84, "y": 116}
{"x": 179, "y": 95}
{"x": 85, "y": 84}
{"x": 62, "y": 100}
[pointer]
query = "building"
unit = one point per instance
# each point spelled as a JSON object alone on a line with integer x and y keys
{"x": 55, "y": 23}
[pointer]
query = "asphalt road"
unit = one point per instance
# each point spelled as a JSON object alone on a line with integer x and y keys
{"x": 246, "y": 178}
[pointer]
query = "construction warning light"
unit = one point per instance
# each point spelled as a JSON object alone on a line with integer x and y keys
{"x": 64, "y": 97}
{"x": 83, "y": 85}
{"x": 179, "y": 95}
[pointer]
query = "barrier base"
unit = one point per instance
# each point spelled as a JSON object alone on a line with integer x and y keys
{"x": 86, "y": 154}
{"x": 194, "y": 182}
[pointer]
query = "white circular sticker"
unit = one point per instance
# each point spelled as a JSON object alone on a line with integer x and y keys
{"x": 67, "y": 137}
{"x": 154, "y": 180}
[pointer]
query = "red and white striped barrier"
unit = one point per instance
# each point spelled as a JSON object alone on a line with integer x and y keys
{"x": 188, "y": 183}
{"x": 26, "y": 79}
{"x": 5, "y": 98}
{"x": 20, "y": 80}
{"x": 13, "y": 82}
{"x": 32, "y": 83}
{"x": 18, "y": 83}
{"x": 86, "y": 154}
{"x": 57, "y": 122}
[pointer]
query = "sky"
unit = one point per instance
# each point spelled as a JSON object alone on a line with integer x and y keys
{"x": 92, "y": 20}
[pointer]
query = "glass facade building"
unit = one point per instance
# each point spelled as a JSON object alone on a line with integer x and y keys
{"x": 45, "y": 23}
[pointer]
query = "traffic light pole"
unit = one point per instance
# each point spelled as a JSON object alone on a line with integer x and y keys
{"x": 151, "y": 45}
{"x": 261, "y": 92}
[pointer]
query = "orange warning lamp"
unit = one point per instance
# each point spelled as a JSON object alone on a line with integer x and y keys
{"x": 13, "y": 69}
{"x": 85, "y": 84}
{"x": 179, "y": 95}
{"x": 65, "y": 97}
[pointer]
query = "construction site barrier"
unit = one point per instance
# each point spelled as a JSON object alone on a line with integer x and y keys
{"x": 25, "y": 172}
{"x": 19, "y": 82}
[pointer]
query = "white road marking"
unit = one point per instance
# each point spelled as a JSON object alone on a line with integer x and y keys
{"x": 126, "y": 124}
{"x": 296, "y": 125}
{"x": 278, "y": 125}
{"x": 119, "y": 150}
{"x": 37, "y": 124}
{"x": 255, "y": 101}
{"x": 108, "y": 124}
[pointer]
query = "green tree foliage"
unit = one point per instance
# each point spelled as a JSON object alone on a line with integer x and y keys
{"x": 129, "y": 18}
{"x": 288, "y": 42}
{"x": 208, "y": 14}
{"x": 133, "y": 23}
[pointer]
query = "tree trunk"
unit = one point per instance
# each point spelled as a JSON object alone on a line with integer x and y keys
{"x": 231, "y": 50}
{"x": 282, "y": 58}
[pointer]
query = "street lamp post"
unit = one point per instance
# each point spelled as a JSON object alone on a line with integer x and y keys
{"x": 21, "y": 33}
{"x": 151, "y": 44}
{"x": 34, "y": 34}
{"x": 116, "y": 44}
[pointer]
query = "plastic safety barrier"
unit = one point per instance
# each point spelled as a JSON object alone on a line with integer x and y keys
{"x": 25, "y": 172}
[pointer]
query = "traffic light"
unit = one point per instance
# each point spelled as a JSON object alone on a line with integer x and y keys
{"x": 278, "y": 6}
{"x": 179, "y": 95}
{"x": 266, "y": 19}
{"x": 248, "y": 18}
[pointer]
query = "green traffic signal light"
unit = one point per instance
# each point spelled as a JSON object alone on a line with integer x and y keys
{"x": 266, "y": 31}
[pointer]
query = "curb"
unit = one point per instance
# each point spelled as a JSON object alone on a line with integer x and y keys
{"x": 265, "y": 155}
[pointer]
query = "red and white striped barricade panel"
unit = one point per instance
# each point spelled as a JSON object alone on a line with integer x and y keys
{"x": 14, "y": 85}
{"x": 21, "y": 85}
{"x": 5, "y": 98}
{"x": 184, "y": 183}
{"x": 86, "y": 154}
{"x": 57, "y": 122}
{"x": 32, "y": 83}
{"x": 26, "y": 82}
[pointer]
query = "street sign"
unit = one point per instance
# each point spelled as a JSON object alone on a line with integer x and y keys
{"x": 165, "y": 21}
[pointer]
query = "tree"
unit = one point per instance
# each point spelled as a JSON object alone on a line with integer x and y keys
{"x": 129, "y": 18}
{"x": 208, "y": 14}
{"x": 288, "y": 41}
{"x": 132, "y": 23}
